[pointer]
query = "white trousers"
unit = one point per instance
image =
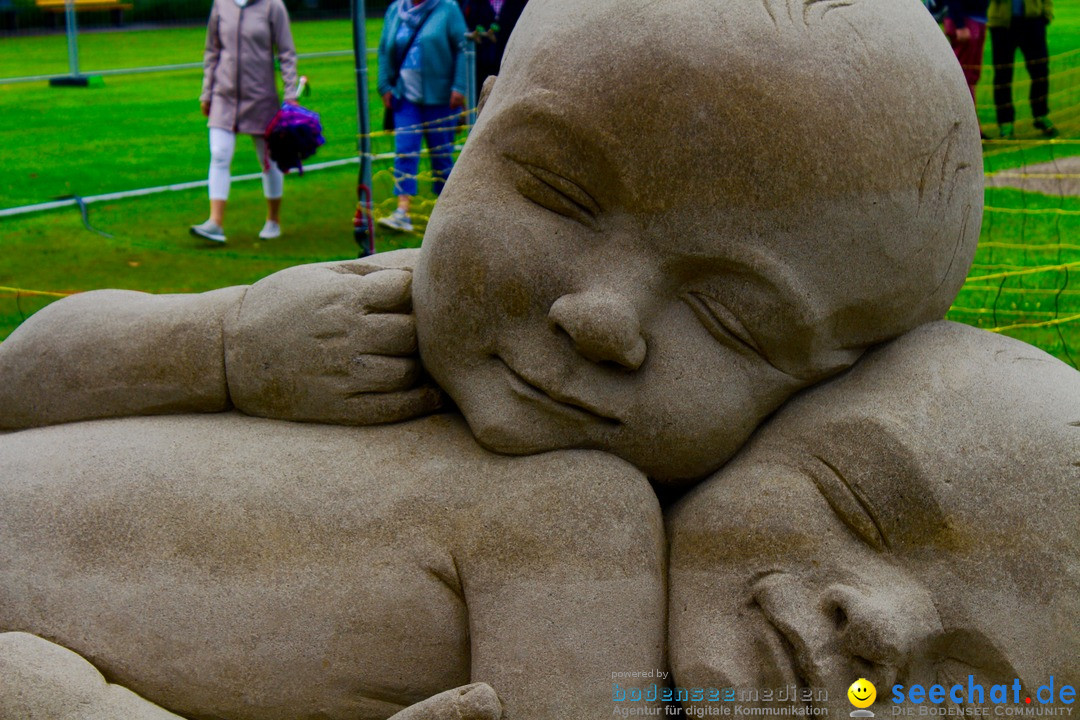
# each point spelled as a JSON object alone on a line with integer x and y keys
{"x": 222, "y": 147}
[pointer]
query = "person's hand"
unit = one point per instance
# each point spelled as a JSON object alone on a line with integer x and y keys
{"x": 476, "y": 701}
{"x": 291, "y": 102}
{"x": 333, "y": 342}
{"x": 205, "y": 104}
{"x": 39, "y": 678}
{"x": 457, "y": 100}
{"x": 963, "y": 34}
{"x": 388, "y": 100}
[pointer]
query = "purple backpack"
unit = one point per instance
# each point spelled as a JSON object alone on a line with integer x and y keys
{"x": 293, "y": 135}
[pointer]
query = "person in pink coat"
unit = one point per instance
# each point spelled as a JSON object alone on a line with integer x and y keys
{"x": 239, "y": 95}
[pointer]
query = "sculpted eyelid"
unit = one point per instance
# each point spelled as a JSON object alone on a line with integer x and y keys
{"x": 720, "y": 321}
{"x": 568, "y": 189}
{"x": 847, "y": 502}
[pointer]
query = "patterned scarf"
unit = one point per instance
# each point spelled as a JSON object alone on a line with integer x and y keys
{"x": 412, "y": 15}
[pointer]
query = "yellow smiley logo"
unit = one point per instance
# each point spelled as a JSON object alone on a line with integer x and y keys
{"x": 862, "y": 693}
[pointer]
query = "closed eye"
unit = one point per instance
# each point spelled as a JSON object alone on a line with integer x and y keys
{"x": 721, "y": 322}
{"x": 848, "y": 502}
{"x": 555, "y": 193}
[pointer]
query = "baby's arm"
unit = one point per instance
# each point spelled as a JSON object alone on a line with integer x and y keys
{"x": 333, "y": 342}
{"x": 564, "y": 584}
{"x": 116, "y": 352}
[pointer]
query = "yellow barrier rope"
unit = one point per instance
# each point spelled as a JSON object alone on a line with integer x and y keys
{"x": 1018, "y": 290}
{"x": 992, "y": 311}
{"x": 1026, "y": 176}
{"x": 1025, "y": 326}
{"x": 24, "y": 291}
{"x": 1030, "y": 211}
{"x": 1028, "y": 271}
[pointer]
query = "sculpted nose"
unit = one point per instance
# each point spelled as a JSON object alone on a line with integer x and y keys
{"x": 884, "y": 625}
{"x": 840, "y": 631}
{"x": 603, "y": 327}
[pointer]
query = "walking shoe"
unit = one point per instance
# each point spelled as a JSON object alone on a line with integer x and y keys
{"x": 1046, "y": 127}
{"x": 399, "y": 221}
{"x": 1007, "y": 132}
{"x": 209, "y": 230}
{"x": 270, "y": 230}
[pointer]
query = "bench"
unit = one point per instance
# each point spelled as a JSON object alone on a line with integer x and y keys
{"x": 115, "y": 7}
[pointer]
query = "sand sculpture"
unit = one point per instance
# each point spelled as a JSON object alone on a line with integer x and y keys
{"x": 911, "y": 521}
{"x": 669, "y": 219}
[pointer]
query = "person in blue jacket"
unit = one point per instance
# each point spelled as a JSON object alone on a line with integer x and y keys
{"x": 422, "y": 82}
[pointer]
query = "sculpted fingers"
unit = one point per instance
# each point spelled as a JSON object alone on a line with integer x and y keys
{"x": 382, "y": 373}
{"x": 477, "y": 701}
{"x": 386, "y": 334}
{"x": 386, "y": 291}
{"x": 40, "y": 680}
{"x": 315, "y": 342}
{"x": 403, "y": 259}
{"x": 334, "y": 405}
{"x": 392, "y": 407}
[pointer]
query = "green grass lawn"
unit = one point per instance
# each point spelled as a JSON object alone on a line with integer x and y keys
{"x": 112, "y": 49}
{"x": 152, "y": 251}
{"x": 145, "y": 130}
{"x": 1026, "y": 274}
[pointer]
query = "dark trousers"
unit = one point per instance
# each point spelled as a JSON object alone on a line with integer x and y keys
{"x": 1028, "y": 35}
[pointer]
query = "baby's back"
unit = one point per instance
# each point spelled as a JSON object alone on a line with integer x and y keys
{"x": 236, "y": 567}
{"x": 163, "y": 549}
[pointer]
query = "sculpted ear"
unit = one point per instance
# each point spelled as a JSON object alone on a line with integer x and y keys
{"x": 484, "y": 92}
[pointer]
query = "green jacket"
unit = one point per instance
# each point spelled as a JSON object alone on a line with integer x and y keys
{"x": 999, "y": 13}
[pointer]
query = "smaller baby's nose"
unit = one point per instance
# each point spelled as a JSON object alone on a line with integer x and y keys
{"x": 883, "y": 625}
{"x": 603, "y": 327}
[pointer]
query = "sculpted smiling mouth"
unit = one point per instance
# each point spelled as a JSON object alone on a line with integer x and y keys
{"x": 799, "y": 654}
{"x": 781, "y": 653}
{"x": 533, "y": 390}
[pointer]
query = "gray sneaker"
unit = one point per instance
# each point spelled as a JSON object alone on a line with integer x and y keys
{"x": 209, "y": 230}
{"x": 270, "y": 231}
{"x": 398, "y": 220}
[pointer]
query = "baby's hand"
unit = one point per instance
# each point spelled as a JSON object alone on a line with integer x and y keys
{"x": 40, "y": 680}
{"x": 477, "y": 701}
{"x": 333, "y": 342}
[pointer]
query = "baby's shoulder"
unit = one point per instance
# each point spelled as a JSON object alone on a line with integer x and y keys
{"x": 546, "y": 482}
{"x": 582, "y": 500}
{"x": 994, "y": 371}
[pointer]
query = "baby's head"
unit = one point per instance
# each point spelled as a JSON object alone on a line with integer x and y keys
{"x": 671, "y": 216}
{"x": 911, "y": 521}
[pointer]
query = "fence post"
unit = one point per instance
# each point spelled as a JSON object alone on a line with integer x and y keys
{"x": 73, "y": 51}
{"x": 470, "y": 81}
{"x": 72, "y": 38}
{"x": 363, "y": 222}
